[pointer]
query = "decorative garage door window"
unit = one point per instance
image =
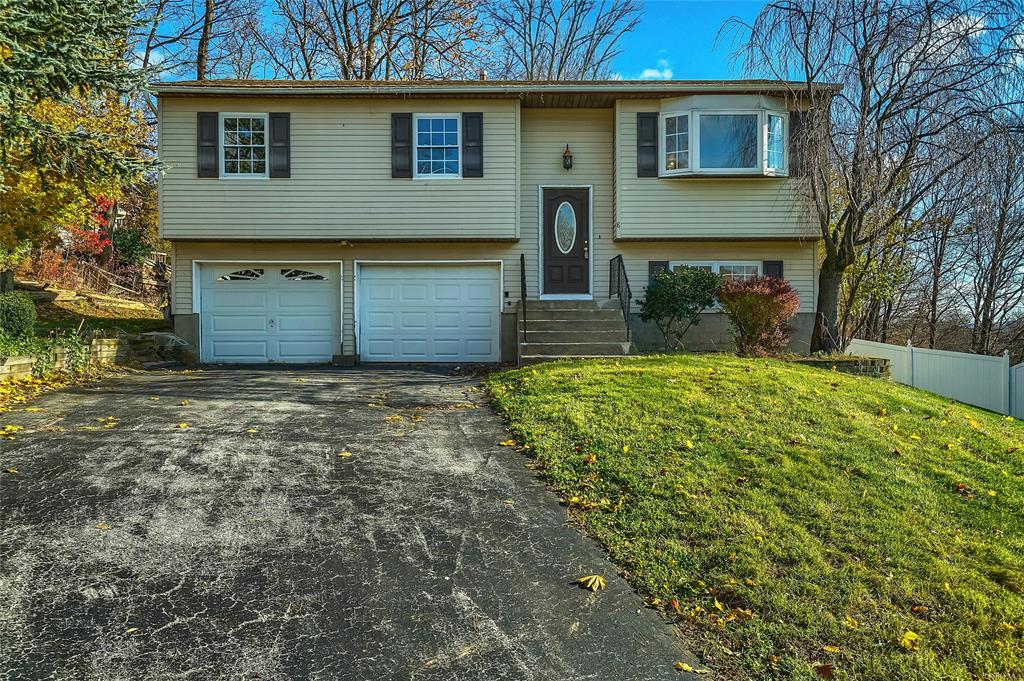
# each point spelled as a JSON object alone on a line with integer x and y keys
{"x": 241, "y": 275}
{"x": 565, "y": 227}
{"x": 302, "y": 275}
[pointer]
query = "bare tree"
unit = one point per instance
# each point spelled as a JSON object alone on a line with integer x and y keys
{"x": 919, "y": 78}
{"x": 994, "y": 293}
{"x": 560, "y": 39}
{"x": 373, "y": 39}
{"x": 205, "y": 36}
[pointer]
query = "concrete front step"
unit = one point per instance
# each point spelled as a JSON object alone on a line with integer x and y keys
{"x": 534, "y": 359}
{"x": 573, "y": 349}
{"x": 574, "y": 325}
{"x": 562, "y": 304}
{"x": 572, "y": 334}
{"x": 564, "y": 315}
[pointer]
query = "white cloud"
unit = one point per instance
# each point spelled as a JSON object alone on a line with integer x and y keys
{"x": 662, "y": 72}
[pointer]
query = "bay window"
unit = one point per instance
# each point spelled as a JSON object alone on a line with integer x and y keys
{"x": 729, "y": 142}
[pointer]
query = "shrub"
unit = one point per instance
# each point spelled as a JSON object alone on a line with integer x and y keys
{"x": 131, "y": 246}
{"x": 674, "y": 301}
{"x": 759, "y": 310}
{"x": 17, "y": 314}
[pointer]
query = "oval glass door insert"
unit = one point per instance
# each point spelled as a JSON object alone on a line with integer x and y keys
{"x": 565, "y": 227}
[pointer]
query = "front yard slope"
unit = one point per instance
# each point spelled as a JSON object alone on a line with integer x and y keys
{"x": 797, "y": 523}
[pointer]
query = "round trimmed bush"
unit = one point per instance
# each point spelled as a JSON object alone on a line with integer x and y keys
{"x": 17, "y": 314}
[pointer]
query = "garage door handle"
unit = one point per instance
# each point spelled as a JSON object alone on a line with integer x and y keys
{"x": 271, "y": 323}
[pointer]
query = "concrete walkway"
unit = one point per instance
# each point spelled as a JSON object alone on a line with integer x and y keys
{"x": 243, "y": 546}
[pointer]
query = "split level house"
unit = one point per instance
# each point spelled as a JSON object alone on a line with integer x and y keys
{"x": 470, "y": 221}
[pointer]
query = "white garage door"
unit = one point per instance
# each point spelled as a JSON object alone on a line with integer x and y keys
{"x": 429, "y": 313}
{"x": 270, "y": 312}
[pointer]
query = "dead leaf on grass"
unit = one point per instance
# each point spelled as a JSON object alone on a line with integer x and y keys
{"x": 910, "y": 641}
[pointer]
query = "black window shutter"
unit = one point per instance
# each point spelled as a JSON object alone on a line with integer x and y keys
{"x": 280, "y": 145}
{"x": 401, "y": 145}
{"x": 655, "y": 266}
{"x": 207, "y": 145}
{"x": 472, "y": 145}
{"x": 772, "y": 268}
{"x": 797, "y": 144}
{"x": 647, "y": 144}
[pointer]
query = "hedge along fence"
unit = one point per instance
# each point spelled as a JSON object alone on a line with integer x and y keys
{"x": 24, "y": 358}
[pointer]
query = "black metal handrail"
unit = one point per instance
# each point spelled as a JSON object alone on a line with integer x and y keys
{"x": 522, "y": 300}
{"x": 618, "y": 285}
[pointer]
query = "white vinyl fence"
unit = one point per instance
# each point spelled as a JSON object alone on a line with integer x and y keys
{"x": 981, "y": 380}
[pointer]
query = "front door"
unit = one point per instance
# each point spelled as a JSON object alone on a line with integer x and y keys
{"x": 566, "y": 241}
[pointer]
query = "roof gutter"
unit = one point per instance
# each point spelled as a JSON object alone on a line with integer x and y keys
{"x": 510, "y": 90}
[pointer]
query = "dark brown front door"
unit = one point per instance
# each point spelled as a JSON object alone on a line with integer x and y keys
{"x": 566, "y": 241}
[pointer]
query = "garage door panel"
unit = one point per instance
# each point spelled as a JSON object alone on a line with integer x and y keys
{"x": 322, "y": 323}
{"x": 318, "y": 298}
{"x": 412, "y": 321}
{"x": 377, "y": 292}
{"x": 481, "y": 347}
{"x": 252, "y": 351}
{"x": 239, "y": 323}
{"x": 479, "y": 320}
{"x": 227, "y": 300}
{"x": 442, "y": 312}
{"x": 380, "y": 321}
{"x": 413, "y": 347}
{"x": 414, "y": 293}
{"x": 305, "y": 350}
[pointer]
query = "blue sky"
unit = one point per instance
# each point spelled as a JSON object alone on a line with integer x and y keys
{"x": 677, "y": 39}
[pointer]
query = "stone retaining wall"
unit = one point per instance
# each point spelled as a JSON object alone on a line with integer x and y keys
{"x": 102, "y": 352}
{"x": 859, "y": 366}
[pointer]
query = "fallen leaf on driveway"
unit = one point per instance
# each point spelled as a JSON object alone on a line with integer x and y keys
{"x": 183, "y": 426}
{"x": 683, "y": 667}
{"x": 183, "y": 403}
{"x": 252, "y": 430}
{"x": 12, "y": 471}
{"x": 507, "y": 443}
{"x": 33, "y": 409}
{"x": 103, "y": 527}
{"x": 592, "y": 582}
{"x": 344, "y": 455}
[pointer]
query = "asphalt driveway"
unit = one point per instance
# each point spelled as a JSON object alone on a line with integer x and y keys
{"x": 203, "y": 525}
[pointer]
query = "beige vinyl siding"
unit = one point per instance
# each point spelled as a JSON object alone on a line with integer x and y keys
{"x": 799, "y": 260}
{"x": 545, "y": 132}
{"x": 699, "y": 207}
{"x": 340, "y": 185}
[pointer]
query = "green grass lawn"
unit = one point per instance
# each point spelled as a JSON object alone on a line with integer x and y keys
{"x": 67, "y": 315}
{"x": 797, "y": 523}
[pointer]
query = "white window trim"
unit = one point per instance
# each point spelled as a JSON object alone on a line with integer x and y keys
{"x": 662, "y": 151}
{"x": 716, "y": 265}
{"x": 266, "y": 147}
{"x": 416, "y": 147}
{"x": 693, "y": 168}
{"x": 784, "y": 170}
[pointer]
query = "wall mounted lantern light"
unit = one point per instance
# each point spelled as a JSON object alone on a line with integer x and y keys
{"x": 567, "y": 158}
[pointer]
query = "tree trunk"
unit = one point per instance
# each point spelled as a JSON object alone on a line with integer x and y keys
{"x": 203, "y": 48}
{"x": 826, "y": 319}
{"x": 6, "y": 281}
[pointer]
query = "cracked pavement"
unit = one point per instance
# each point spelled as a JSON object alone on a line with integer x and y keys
{"x": 243, "y": 546}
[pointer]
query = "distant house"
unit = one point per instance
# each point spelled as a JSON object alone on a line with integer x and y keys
{"x": 389, "y": 221}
